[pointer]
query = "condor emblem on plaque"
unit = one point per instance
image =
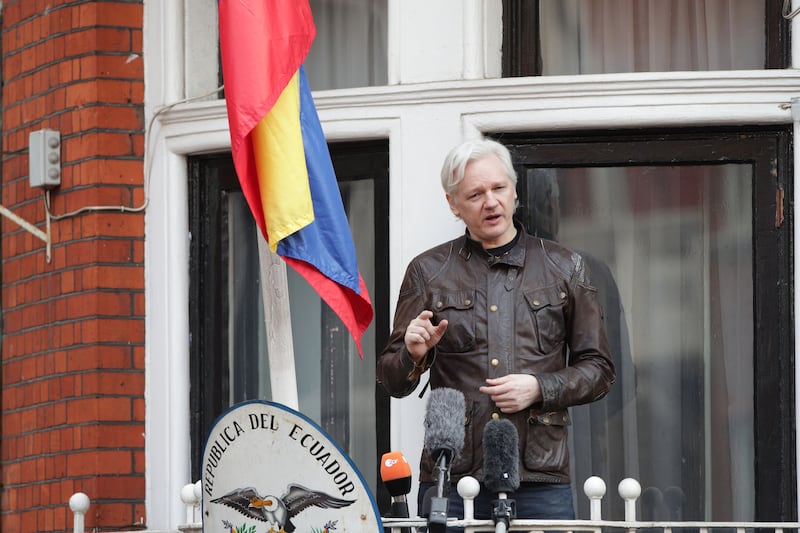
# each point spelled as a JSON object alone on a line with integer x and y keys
{"x": 270, "y": 469}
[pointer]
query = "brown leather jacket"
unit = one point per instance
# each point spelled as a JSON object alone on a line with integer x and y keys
{"x": 532, "y": 311}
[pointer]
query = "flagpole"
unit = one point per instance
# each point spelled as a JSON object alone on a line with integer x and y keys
{"x": 275, "y": 296}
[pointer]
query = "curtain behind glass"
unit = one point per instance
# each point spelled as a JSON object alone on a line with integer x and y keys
{"x": 608, "y": 36}
{"x": 248, "y": 368}
{"x": 248, "y": 357}
{"x": 670, "y": 252}
{"x": 350, "y": 49}
{"x": 359, "y": 200}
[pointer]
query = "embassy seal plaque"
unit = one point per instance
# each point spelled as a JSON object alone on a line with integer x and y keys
{"x": 269, "y": 469}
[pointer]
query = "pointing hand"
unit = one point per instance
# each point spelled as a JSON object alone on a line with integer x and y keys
{"x": 422, "y": 335}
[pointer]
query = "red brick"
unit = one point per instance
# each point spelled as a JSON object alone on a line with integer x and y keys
{"x": 121, "y": 383}
{"x": 84, "y": 358}
{"x": 115, "y": 171}
{"x": 102, "y": 330}
{"x": 113, "y": 277}
{"x": 118, "y": 66}
{"x": 139, "y": 409}
{"x": 106, "y": 117}
{"x": 86, "y": 41}
{"x": 107, "y": 514}
{"x": 99, "y": 462}
{"x": 138, "y": 361}
{"x": 120, "y": 487}
{"x": 113, "y": 13}
{"x": 111, "y": 436}
{"x": 84, "y": 305}
{"x": 75, "y": 67}
{"x": 98, "y": 409}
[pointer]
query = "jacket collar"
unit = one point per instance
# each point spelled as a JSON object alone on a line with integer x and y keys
{"x": 471, "y": 249}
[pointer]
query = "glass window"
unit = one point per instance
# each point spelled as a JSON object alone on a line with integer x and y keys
{"x": 568, "y": 37}
{"x": 671, "y": 231}
{"x": 331, "y": 380}
{"x": 229, "y": 353}
{"x": 678, "y": 242}
{"x": 606, "y": 36}
{"x": 351, "y": 46}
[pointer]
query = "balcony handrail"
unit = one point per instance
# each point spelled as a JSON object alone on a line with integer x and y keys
{"x": 468, "y": 488}
{"x": 593, "y": 526}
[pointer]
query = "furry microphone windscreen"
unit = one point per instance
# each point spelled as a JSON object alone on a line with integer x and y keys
{"x": 501, "y": 456}
{"x": 444, "y": 422}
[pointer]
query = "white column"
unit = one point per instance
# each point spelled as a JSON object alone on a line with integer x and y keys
{"x": 167, "y": 450}
{"x": 473, "y": 39}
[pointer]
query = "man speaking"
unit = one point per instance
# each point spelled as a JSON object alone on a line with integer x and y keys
{"x": 510, "y": 320}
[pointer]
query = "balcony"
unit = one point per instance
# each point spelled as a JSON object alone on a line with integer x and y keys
{"x": 594, "y": 489}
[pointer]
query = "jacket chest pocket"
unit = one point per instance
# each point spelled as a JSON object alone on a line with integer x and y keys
{"x": 547, "y": 306}
{"x": 458, "y": 308}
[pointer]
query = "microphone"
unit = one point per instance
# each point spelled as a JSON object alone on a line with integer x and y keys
{"x": 396, "y": 476}
{"x": 444, "y": 439}
{"x": 501, "y": 469}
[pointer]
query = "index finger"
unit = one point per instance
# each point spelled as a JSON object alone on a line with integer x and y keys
{"x": 425, "y": 315}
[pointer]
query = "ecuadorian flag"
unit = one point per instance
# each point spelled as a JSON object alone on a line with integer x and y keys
{"x": 280, "y": 153}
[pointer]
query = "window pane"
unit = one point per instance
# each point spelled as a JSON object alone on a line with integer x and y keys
{"x": 247, "y": 347}
{"x": 359, "y": 201}
{"x": 670, "y": 251}
{"x": 350, "y": 49}
{"x": 607, "y": 36}
{"x": 335, "y": 388}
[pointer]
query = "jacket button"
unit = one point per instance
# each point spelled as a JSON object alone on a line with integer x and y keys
{"x": 495, "y": 416}
{"x": 546, "y": 419}
{"x": 493, "y": 308}
{"x": 495, "y": 362}
{"x": 467, "y": 302}
{"x": 562, "y": 294}
{"x": 536, "y": 302}
{"x": 438, "y": 305}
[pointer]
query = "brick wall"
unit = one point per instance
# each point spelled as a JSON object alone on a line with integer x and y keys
{"x": 73, "y": 328}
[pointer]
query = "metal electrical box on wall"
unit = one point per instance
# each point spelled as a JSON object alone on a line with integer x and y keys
{"x": 44, "y": 163}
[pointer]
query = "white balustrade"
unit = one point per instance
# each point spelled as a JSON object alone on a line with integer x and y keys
{"x": 79, "y": 504}
{"x": 594, "y": 488}
{"x": 192, "y": 498}
{"x": 468, "y": 488}
{"x": 191, "y": 502}
{"x": 629, "y": 490}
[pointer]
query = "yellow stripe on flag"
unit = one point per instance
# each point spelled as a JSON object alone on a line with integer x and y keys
{"x": 281, "y": 166}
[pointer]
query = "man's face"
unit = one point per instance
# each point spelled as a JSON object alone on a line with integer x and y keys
{"x": 485, "y": 200}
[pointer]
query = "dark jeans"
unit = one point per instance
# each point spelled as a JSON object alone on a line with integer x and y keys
{"x": 538, "y": 501}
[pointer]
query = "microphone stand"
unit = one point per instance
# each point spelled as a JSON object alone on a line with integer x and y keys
{"x": 503, "y": 511}
{"x": 437, "y": 518}
{"x": 399, "y": 507}
{"x": 400, "y": 510}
